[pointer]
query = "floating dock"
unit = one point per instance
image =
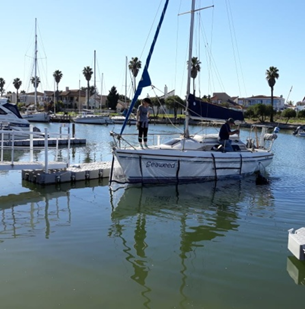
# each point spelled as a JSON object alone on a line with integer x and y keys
{"x": 85, "y": 171}
{"x": 41, "y": 142}
{"x": 296, "y": 243}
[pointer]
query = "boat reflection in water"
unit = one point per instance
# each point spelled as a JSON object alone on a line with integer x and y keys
{"x": 296, "y": 270}
{"x": 174, "y": 227}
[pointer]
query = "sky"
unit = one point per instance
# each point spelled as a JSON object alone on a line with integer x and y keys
{"x": 236, "y": 42}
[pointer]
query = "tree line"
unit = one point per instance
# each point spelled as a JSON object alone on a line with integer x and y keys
{"x": 174, "y": 102}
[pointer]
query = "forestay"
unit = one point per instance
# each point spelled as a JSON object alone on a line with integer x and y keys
{"x": 145, "y": 79}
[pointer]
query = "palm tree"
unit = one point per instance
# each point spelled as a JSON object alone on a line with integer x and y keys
{"x": 87, "y": 71}
{"x": 271, "y": 75}
{"x": 2, "y": 83}
{"x": 57, "y": 76}
{"x": 134, "y": 66}
{"x": 17, "y": 83}
{"x": 35, "y": 81}
{"x": 195, "y": 68}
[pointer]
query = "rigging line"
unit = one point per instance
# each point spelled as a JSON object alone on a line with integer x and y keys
{"x": 235, "y": 47}
{"x": 186, "y": 49}
{"x": 44, "y": 56}
{"x": 99, "y": 74}
{"x": 199, "y": 55}
{"x": 40, "y": 42}
{"x": 213, "y": 68}
{"x": 151, "y": 28}
{"x": 161, "y": 106}
{"x": 210, "y": 60}
{"x": 176, "y": 54}
{"x": 180, "y": 105}
{"x": 198, "y": 42}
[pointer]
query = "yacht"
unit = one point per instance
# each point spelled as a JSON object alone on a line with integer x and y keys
{"x": 11, "y": 120}
{"x": 88, "y": 117}
{"x": 120, "y": 119}
{"x": 10, "y": 115}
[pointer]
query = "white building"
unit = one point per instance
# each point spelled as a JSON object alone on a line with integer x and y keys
{"x": 278, "y": 102}
{"x": 299, "y": 106}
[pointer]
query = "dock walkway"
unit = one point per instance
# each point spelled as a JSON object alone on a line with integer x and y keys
{"x": 10, "y": 143}
{"x": 85, "y": 171}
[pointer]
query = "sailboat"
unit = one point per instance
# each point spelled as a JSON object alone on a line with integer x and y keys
{"x": 31, "y": 113}
{"x": 88, "y": 116}
{"x": 189, "y": 158}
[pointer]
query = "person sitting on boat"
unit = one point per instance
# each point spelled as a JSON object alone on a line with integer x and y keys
{"x": 142, "y": 121}
{"x": 224, "y": 134}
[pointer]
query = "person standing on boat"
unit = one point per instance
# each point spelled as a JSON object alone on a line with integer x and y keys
{"x": 142, "y": 121}
{"x": 224, "y": 134}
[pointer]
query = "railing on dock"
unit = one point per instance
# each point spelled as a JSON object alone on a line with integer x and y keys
{"x": 8, "y": 139}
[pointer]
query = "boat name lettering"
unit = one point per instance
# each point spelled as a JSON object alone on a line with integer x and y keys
{"x": 161, "y": 165}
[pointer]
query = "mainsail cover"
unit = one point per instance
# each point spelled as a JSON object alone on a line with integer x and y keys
{"x": 200, "y": 109}
{"x": 145, "y": 79}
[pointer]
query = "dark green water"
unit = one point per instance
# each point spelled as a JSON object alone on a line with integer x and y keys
{"x": 189, "y": 246}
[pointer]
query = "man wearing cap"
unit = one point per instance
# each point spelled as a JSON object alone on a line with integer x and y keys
{"x": 224, "y": 134}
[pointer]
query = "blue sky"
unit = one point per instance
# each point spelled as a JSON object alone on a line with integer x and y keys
{"x": 237, "y": 42}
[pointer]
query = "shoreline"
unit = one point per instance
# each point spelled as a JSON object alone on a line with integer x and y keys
{"x": 180, "y": 121}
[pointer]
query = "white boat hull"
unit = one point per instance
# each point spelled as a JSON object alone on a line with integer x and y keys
{"x": 93, "y": 119}
{"x": 160, "y": 166}
{"x": 37, "y": 117}
{"x": 121, "y": 119}
{"x": 300, "y": 133}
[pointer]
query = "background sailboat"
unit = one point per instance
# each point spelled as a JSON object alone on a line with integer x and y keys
{"x": 89, "y": 116}
{"x": 32, "y": 114}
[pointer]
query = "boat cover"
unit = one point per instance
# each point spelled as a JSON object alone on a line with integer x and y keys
{"x": 201, "y": 109}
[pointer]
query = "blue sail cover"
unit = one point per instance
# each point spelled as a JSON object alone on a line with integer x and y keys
{"x": 145, "y": 79}
{"x": 200, "y": 109}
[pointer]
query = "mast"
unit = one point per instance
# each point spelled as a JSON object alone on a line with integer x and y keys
{"x": 35, "y": 64}
{"x": 101, "y": 101}
{"x": 79, "y": 96}
{"x": 126, "y": 81}
{"x": 94, "y": 78}
{"x": 188, "y": 87}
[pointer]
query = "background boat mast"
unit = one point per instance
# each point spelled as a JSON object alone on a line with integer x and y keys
{"x": 35, "y": 64}
{"x": 94, "y": 79}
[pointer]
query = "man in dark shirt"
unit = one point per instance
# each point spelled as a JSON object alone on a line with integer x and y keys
{"x": 224, "y": 134}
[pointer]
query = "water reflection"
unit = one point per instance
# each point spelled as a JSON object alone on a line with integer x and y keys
{"x": 201, "y": 213}
{"x": 40, "y": 207}
{"x": 296, "y": 270}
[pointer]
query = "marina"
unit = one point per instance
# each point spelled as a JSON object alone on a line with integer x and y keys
{"x": 106, "y": 202}
{"x": 222, "y": 244}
